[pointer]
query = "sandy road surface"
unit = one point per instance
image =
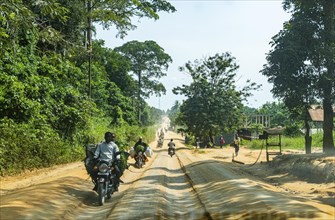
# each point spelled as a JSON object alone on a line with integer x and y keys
{"x": 190, "y": 185}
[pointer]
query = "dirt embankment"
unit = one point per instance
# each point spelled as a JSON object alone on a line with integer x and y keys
{"x": 311, "y": 176}
{"x": 315, "y": 168}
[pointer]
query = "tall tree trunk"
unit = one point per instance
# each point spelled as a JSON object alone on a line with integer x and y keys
{"x": 308, "y": 138}
{"x": 329, "y": 36}
{"x": 328, "y": 126}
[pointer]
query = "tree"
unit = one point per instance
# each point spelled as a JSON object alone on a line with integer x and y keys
{"x": 43, "y": 80}
{"x": 300, "y": 64}
{"x": 173, "y": 113}
{"x": 279, "y": 112}
{"x": 149, "y": 63}
{"x": 119, "y": 14}
{"x": 213, "y": 103}
{"x": 328, "y": 79}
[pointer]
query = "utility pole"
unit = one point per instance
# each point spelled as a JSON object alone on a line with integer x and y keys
{"x": 89, "y": 46}
{"x": 139, "y": 97}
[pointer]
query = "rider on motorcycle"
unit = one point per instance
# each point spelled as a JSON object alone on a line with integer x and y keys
{"x": 161, "y": 135}
{"x": 141, "y": 146}
{"x": 160, "y": 142}
{"x": 172, "y": 146}
{"x": 106, "y": 151}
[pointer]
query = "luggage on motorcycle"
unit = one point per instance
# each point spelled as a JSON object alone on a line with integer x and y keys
{"x": 90, "y": 150}
{"x": 148, "y": 152}
{"x": 89, "y": 163}
{"x": 132, "y": 152}
{"x": 122, "y": 163}
{"x": 139, "y": 148}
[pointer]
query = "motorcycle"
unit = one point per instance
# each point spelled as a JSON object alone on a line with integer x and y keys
{"x": 139, "y": 159}
{"x": 106, "y": 180}
{"x": 171, "y": 151}
{"x": 160, "y": 142}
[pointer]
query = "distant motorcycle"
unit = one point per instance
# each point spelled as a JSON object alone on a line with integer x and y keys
{"x": 171, "y": 151}
{"x": 160, "y": 142}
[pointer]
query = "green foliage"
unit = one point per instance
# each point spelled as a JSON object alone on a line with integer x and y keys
{"x": 120, "y": 13}
{"x": 23, "y": 146}
{"x": 289, "y": 143}
{"x": 280, "y": 114}
{"x": 213, "y": 103}
{"x": 257, "y": 127}
{"x": 173, "y": 114}
{"x": 293, "y": 130}
{"x": 148, "y": 62}
{"x": 317, "y": 139}
{"x": 117, "y": 68}
{"x": 45, "y": 114}
{"x": 151, "y": 116}
{"x": 301, "y": 63}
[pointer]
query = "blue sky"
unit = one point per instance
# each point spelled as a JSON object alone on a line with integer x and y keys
{"x": 203, "y": 28}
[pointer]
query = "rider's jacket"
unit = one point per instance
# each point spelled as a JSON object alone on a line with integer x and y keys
{"x": 106, "y": 151}
{"x": 171, "y": 144}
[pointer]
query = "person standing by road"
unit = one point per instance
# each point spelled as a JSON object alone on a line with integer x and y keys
{"x": 197, "y": 142}
{"x": 222, "y": 141}
{"x": 236, "y": 144}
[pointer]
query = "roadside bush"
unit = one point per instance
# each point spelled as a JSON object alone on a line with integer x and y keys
{"x": 292, "y": 130}
{"x": 23, "y": 147}
{"x": 297, "y": 143}
{"x": 26, "y": 146}
{"x": 126, "y": 135}
{"x": 287, "y": 143}
{"x": 254, "y": 144}
{"x": 317, "y": 139}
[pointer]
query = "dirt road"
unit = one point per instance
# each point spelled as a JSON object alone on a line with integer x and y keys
{"x": 191, "y": 185}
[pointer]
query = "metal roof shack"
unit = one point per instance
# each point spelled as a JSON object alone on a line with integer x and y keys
{"x": 316, "y": 113}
